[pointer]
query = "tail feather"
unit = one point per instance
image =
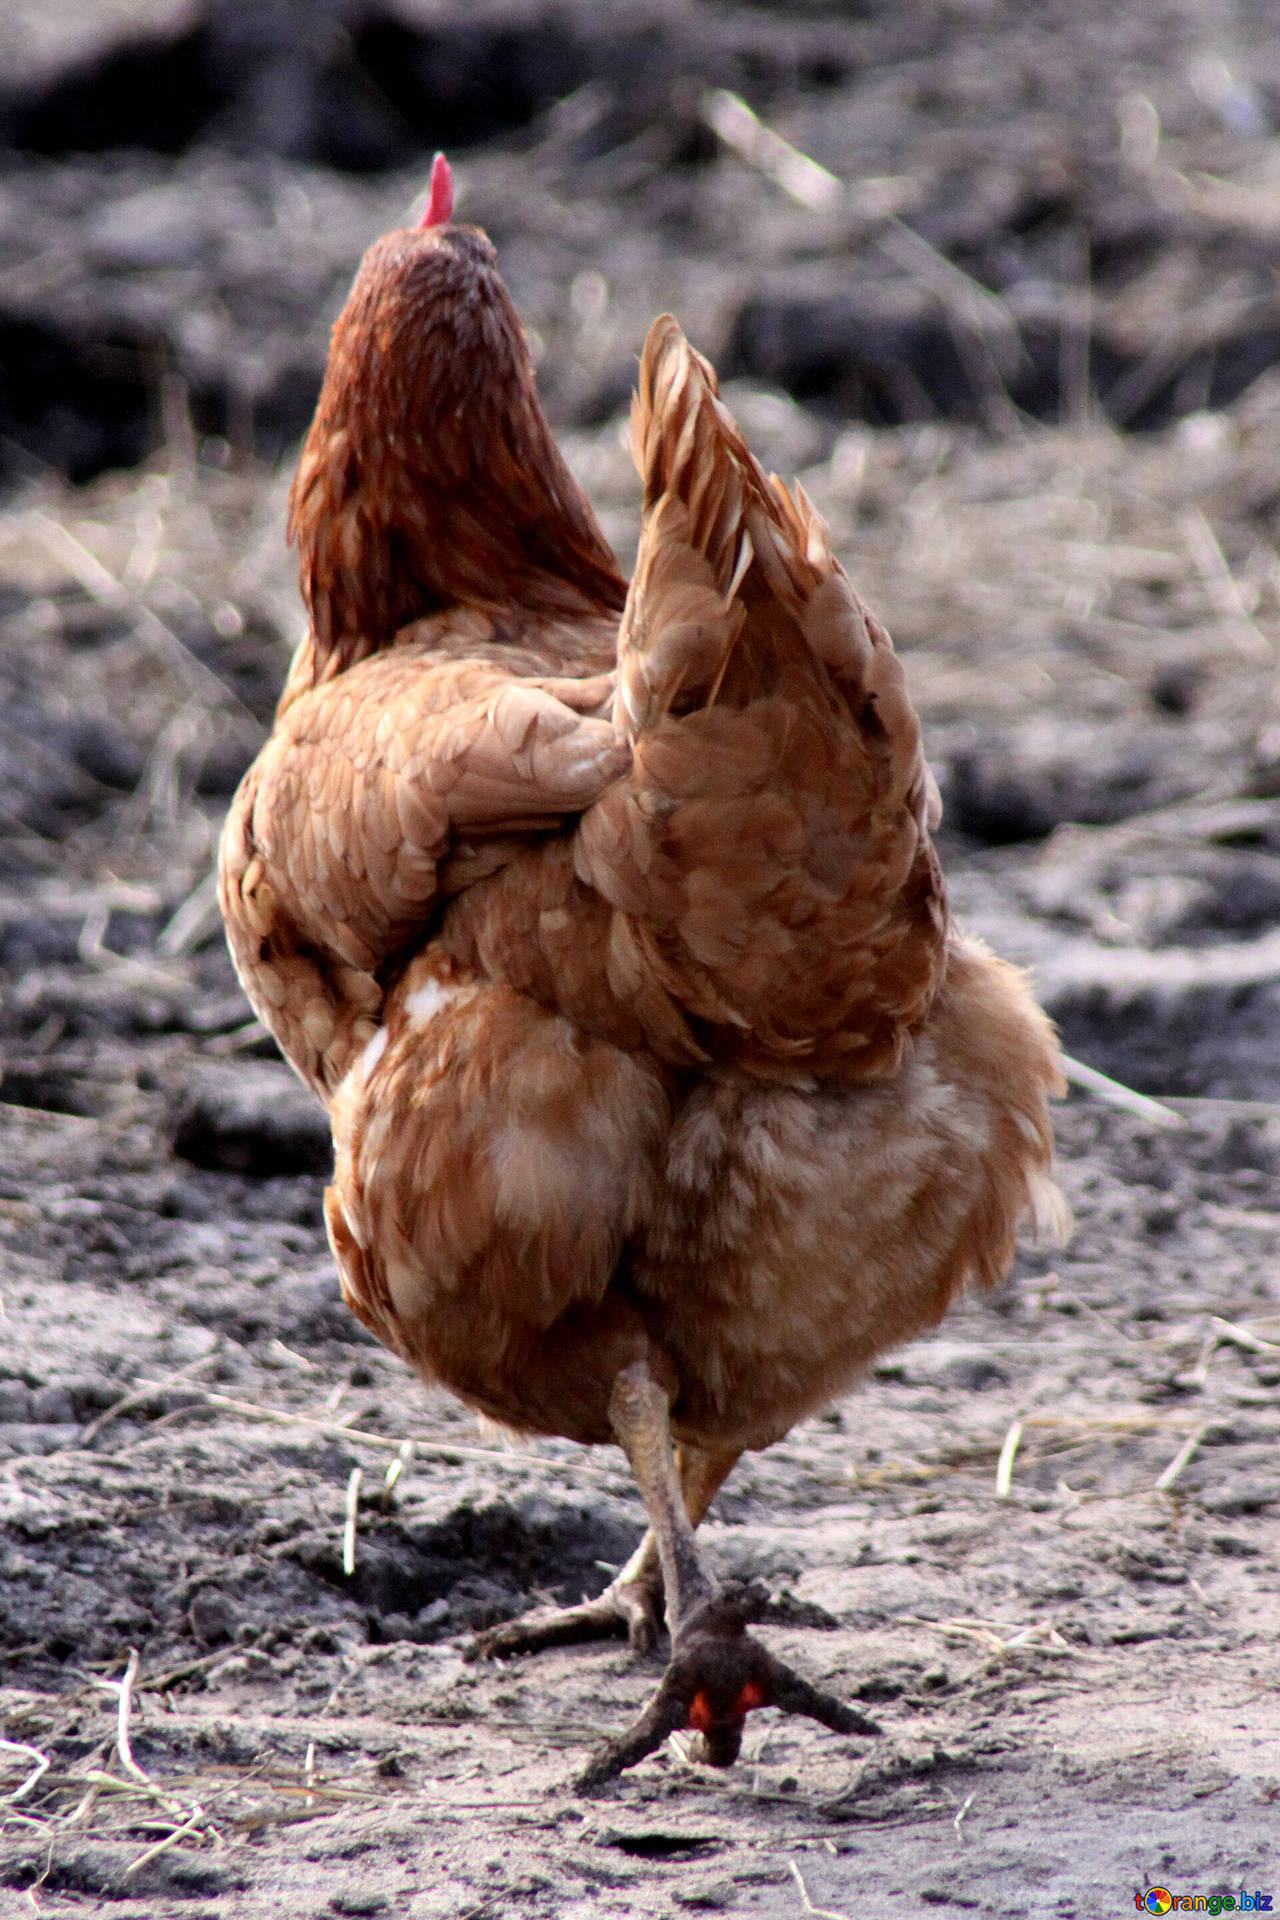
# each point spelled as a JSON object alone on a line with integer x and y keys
{"x": 770, "y": 845}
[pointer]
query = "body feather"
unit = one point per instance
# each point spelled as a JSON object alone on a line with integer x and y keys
{"x": 612, "y": 934}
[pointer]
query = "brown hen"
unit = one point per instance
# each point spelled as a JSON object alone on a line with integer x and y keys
{"x": 665, "y": 1096}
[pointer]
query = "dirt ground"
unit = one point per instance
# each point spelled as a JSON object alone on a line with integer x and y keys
{"x": 1028, "y": 362}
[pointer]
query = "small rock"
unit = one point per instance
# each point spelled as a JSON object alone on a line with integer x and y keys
{"x": 211, "y": 1617}
{"x": 51, "y": 1406}
{"x": 15, "y": 1401}
{"x": 1241, "y": 1496}
{"x": 254, "y": 1118}
{"x": 711, "y": 1898}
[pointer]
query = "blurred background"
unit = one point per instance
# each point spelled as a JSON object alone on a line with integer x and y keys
{"x": 998, "y": 281}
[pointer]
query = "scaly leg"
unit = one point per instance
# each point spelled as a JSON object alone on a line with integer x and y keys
{"x": 717, "y": 1672}
{"x": 632, "y": 1602}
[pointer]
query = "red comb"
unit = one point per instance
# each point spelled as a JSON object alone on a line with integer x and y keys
{"x": 440, "y": 200}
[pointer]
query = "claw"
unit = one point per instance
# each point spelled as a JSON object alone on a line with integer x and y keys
{"x": 717, "y": 1674}
{"x": 628, "y": 1610}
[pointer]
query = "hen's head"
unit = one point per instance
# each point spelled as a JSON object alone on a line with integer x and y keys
{"x": 429, "y": 478}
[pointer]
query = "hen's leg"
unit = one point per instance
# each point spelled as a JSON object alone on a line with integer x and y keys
{"x": 632, "y": 1602}
{"x": 717, "y": 1672}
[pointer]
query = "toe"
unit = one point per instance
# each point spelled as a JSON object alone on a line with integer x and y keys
{"x": 640, "y": 1607}
{"x": 629, "y": 1609}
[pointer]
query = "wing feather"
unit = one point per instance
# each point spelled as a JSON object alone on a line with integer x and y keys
{"x": 337, "y": 850}
{"x": 770, "y": 844}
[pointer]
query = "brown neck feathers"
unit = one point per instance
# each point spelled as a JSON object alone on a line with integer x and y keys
{"x": 429, "y": 478}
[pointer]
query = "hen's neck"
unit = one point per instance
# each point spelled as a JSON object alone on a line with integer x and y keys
{"x": 430, "y": 480}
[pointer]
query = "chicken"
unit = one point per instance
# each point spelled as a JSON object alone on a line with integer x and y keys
{"x": 607, "y": 924}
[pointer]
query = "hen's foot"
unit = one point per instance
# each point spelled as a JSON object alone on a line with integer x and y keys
{"x": 630, "y": 1608}
{"x": 717, "y": 1673}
